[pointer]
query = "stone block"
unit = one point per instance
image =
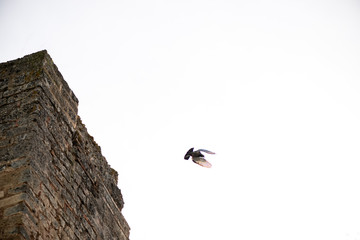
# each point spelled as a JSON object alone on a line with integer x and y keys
{"x": 20, "y": 207}
{"x": 7, "y": 201}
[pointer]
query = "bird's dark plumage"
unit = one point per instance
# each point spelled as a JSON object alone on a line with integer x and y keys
{"x": 188, "y": 154}
{"x": 198, "y": 157}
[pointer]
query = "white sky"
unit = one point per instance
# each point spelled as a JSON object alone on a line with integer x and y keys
{"x": 271, "y": 86}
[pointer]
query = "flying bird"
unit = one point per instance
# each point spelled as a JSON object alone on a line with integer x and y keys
{"x": 197, "y": 157}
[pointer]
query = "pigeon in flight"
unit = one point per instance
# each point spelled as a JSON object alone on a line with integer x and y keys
{"x": 198, "y": 157}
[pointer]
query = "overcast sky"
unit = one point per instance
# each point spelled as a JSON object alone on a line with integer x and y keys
{"x": 273, "y": 87}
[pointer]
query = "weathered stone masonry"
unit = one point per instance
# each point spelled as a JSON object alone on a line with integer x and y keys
{"x": 54, "y": 181}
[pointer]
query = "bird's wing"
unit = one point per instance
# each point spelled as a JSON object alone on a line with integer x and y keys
{"x": 206, "y": 151}
{"x": 202, "y": 162}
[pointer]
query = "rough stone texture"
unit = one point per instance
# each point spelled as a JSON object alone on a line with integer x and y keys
{"x": 54, "y": 181}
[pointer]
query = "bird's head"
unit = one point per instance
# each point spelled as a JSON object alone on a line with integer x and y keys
{"x": 188, "y": 154}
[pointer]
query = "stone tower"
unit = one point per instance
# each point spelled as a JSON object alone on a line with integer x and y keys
{"x": 54, "y": 181}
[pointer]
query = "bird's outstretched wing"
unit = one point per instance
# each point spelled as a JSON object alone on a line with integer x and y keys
{"x": 206, "y": 151}
{"x": 202, "y": 162}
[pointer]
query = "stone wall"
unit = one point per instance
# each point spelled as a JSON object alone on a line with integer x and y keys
{"x": 54, "y": 181}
